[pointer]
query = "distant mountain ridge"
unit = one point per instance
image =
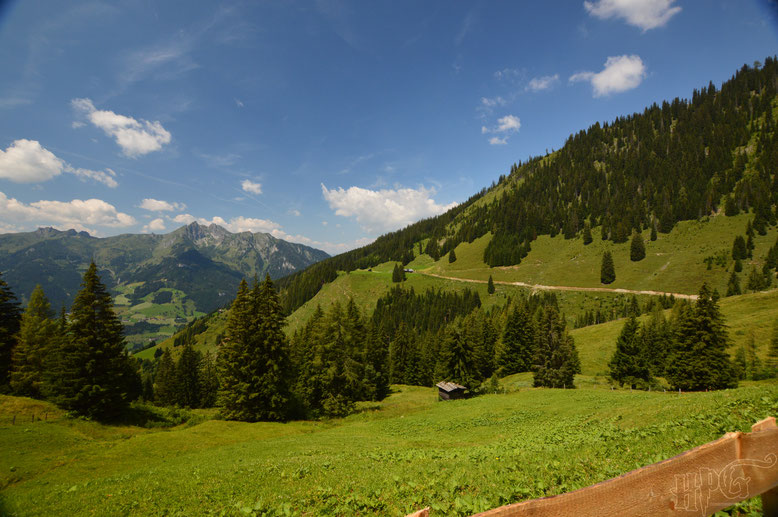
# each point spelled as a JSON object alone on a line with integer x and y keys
{"x": 202, "y": 261}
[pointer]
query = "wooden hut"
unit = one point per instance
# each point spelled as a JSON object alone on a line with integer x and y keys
{"x": 450, "y": 391}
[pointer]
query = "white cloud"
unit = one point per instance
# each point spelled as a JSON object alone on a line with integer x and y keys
{"x": 537, "y": 84}
{"x": 295, "y": 212}
{"x": 507, "y": 73}
{"x": 136, "y": 138}
{"x": 157, "y": 205}
{"x": 239, "y": 103}
{"x": 71, "y": 214}
{"x": 155, "y": 225}
{"x": 646, "y": 14}
{"x": 234, "y": 225}
{"x": 621, "y": 73}
{"x": 505, "y": 125}
{"x": 491, "y": 103}
{"x": 26, "y": 161}
{"x": 105, "y": 177}
{"x": 384, "y": 210}
{"x": 251, "y": 187}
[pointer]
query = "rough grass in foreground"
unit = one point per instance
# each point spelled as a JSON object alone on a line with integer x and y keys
{"x": 395, "y": 456}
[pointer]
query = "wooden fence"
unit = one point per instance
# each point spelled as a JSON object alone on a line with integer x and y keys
{"x": 697, "y": 482}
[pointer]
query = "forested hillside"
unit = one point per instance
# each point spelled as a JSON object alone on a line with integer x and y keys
{"x": 681, "y": 160}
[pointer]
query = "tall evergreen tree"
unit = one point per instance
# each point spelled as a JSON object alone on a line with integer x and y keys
{"x": 607, "y": 269}
{"x": 36, "y": 333}
{"x": 739, "y": 251}
{"x": 400, "y": 355}
{"x": 733, "y": 285}
{"x": 254, "y": 362}
{"x": 699, "y": 359}
{"x": 515, "y": 353}
{"x": 209, "y": 381}
{"x": 587, "y": 234}
{"x": 98, "y": 379}
{"x": 457, "y": 358}
{"x": 165, "y": 388}
{"x": 556, "y": 358}
{"x": 376, "y": 377}
{"x": 10, "y": 317}
{"x": 637, "y": 249}
{"x": 452, "y": 256}
{"x": 628, "y": 364}
{"x": 187, "y": 375}
{"x": 490, "y": 285}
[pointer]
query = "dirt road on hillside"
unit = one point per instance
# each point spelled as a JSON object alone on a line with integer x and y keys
{"x": 541, "y": 287}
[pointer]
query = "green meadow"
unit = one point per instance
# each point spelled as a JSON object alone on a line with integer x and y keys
{"x": 392, "y": 457}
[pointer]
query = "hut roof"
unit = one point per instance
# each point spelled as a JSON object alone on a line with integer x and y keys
{"x": 450, "y": 386}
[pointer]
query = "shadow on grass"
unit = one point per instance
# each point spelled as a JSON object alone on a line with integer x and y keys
{"x": 149, "y": 416}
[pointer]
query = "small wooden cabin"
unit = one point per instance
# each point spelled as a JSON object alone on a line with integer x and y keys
{"x": 450, "y": 391}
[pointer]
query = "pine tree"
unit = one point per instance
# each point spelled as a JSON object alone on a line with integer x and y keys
{"x": 10, "y": 317}
{"x": 607, "y": 269}
{"x": 637, "y": 249}
{"x": 187, "y": 376}
{"x": 739, "y": 251}
{"x": 556, "y": 358}
{"x": 490, "y": 285}
{"x": 254, "y": 362}
{"x": 209, "y": 381}
{"x": 452, "y": 257}
{"x": 628, "y": 364}
{"x": 457, "y": 358}
{"x": 653, "y": 230}
{"x": 165, "y": 388}
{"x": 398, "y": 273}
{"x": 515, "y": 353}
{"x": 36, "y": 332}
{"x": 699, "y": 359}
{"x": 756, "y": 280}
{"x": 400, "y": 351}
{"x": 376, "y": 377}
{"x": 587, "y": 234}
{"x": 733, "y": 285}
{"x": 98, "y": 378}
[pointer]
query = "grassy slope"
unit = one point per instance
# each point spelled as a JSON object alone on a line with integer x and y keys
{"x": 673, "y": 263}
{"x": 404, "y": 453}
{"x": 743, "y": 314}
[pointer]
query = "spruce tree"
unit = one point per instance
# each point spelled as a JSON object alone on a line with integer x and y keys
{"x": 637, "y": 249}
{"x": 98, "y": 379}
{"x": 400, "y": 351}
{"x": 733, "y": 285}
{"x": 607, "y": 269}
{"x": 165, "y": 388}
{"x": 699, "y": 359}
{"x": 490, "y": 285}
{"x": 515, "y": 353}
{"x": 187, "y": 375}
{"x": 739, "y": 251}
{"x": 254, "y": 363}
{"x": 653, "y": 230}
{"x": 457, "y": 358}
{"x": 10, "y": 317}
{"x": 556, "y": 358}
{"x": 398, "y": 273}
{"x": 452, "y": 256}
{"x": 628, "y": 364}
{"x": 587, "y": 234}
{"x": 209, "y": 381}
{"x": 376, "y": 376}
{"x": 36, "y": 333}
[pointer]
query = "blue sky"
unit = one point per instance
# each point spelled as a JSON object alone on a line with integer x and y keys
{"x": 330, "y": 122}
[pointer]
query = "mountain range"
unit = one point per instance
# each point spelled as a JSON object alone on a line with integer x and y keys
{"x": 195, "y": 268}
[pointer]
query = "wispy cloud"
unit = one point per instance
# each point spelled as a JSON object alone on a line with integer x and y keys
{"x": 136, "y": 138}
{"x": 157, "y": 205}
{"x": 545, "y": 82}
{"x": 505, "y": 127}
{"x": 645, "y": 14}
{"x": 621, "y": 73}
